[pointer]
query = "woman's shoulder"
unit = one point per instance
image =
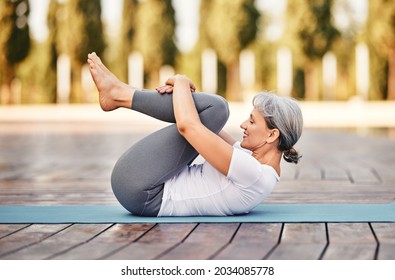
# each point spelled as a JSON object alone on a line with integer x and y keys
{"x": 238, "y": 146}
{"x": 244, "y": 167}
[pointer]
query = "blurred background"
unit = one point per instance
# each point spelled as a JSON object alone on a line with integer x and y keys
{"x": 313, "y": 50}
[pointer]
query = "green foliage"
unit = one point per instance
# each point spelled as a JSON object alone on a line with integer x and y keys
{"x": 204, "y": 39}
{"x": 39, "y": 82}
{"x": 317, "y": 32}
{"x": 189, "y": 64}
{"x": 80, "y": 31}
{"x": 52, "y": 49}
{"x": 231, "y": 26}
{"x": 14, "y": 36}
{"x": 125, "y": 43}
{"x": 52, "y": 23}
{"x": 381, "y": 40}
{"x": 381, "y": 26}
{"x": 75, "y": 28}
{"x": 265, "y": 63}
{"x": 204, "y": 42}
{"x": 298, "y": 83}
{"x": 85, "y": 29}
{"x": 128, "y": 24}
{"x": 310, "y": 34}
{"x": 154, "y": 35}
{"x": 14, "y": 41}
{"x": 310, "y": 29}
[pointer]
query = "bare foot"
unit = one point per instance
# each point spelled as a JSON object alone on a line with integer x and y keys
{"x": 112, "y": 92}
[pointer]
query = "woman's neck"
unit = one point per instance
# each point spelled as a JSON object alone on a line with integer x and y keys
{"x": 271, "y": 158}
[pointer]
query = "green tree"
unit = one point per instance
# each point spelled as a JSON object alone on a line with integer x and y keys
{"x": 127, "y": 35}
{"x": 55, "y": 9}
{"x": 381, "y": 39}
{"x": 310, "y": 22}
{"x": 204, "y": 38}
{"x": 204, "y": 43}
{"x": 231, "y": 26}
{"x": 154, "y": 36}
{"x": 14, "y": 41}
{"x": 344, "y": 48}
{"x": 82, "y": 33}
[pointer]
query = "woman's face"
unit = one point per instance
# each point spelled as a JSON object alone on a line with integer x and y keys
{"x": 256, "y": 131}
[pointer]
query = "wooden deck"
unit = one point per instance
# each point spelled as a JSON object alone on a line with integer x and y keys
{"x": 69, "y": 163}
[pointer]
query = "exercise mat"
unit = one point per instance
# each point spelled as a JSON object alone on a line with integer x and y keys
{"x": 263, "y": 213}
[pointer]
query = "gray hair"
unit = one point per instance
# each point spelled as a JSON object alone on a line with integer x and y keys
{"x": 284, "y": 114}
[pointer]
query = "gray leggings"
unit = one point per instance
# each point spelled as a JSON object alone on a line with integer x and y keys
{"x": 139, "y": 175}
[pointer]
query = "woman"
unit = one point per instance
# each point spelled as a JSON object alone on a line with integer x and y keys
{"x": 154, "y": 177}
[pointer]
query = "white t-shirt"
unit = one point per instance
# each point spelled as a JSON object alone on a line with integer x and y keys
{"x": 201, "y": 190}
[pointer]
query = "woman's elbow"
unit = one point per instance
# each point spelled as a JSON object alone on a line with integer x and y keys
{"x": 184, "y": 127}
{"x": 181, "y": 127}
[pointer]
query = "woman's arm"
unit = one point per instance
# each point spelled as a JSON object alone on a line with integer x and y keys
{"x": 227, "y": 137}
{"x": 168, "y": 88}
{"x": 217, "y": 151}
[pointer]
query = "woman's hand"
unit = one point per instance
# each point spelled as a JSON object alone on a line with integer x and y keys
{"x": 169, "y": 85}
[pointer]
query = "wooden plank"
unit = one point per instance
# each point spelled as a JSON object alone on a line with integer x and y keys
{"x": 157, "y": 241}
{"x": 363, "y": 175}
{"x": 301, "y": 242}
{"x": 385, "y": 233}
{"x": 335, "y": 173}
{"x": 61, "y": 172}
{"x": 253, "y": 241}
{"x": 10, "y": 172}
{"x": 26, "y": 237}
{"x": 288, "y": 171}
{"x": 385, "y": 170}
{"x": 69, "y": 238}
{"x": 32, "y": 170}
{"x": 208, "y": 238}
{"x": 7, "y": 229}
{"x": 62, "y": 192}
{"x": 112, "y": 240}
{"x": 310, "y": 172}
{"x": 64, "y": 167}
{"x": 331, "y": 198}
{"x": 63, "y": 186}
{"x": 350, "y": 241}
{"x": 327, "y": 191}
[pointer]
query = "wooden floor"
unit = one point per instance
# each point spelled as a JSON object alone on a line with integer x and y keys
{"x": 67, "y": 163}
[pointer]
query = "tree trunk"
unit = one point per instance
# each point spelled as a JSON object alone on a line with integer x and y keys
{"x": 233, "y": 88}
{"x": 153, "y": 79}
{"x": 342, "y": 88}
{"x": 391, "y": 74}
{"x": 76, "y": 95}
{"x": 6, "y": 89}
{"x": 311, "y": 81}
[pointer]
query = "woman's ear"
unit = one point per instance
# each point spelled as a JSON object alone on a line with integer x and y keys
{"x": 273, "y": 136}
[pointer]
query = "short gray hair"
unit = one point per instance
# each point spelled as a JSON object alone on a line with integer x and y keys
{"x": 284, "y": 114}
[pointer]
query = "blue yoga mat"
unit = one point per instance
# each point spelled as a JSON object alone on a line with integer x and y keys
{"x": 264, "y": 213}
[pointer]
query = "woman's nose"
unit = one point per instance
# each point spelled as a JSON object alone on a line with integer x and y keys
{"x": 243, "y": 125}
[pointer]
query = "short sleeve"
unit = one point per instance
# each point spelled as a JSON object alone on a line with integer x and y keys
{"x": 244, "y": 170}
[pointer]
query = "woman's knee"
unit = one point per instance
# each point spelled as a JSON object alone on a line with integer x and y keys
{"x": 123, "y": 187}
{"x": 223, "y": 108}
{"x": 132, "y": 194}
{"x": 217, "y": 114}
